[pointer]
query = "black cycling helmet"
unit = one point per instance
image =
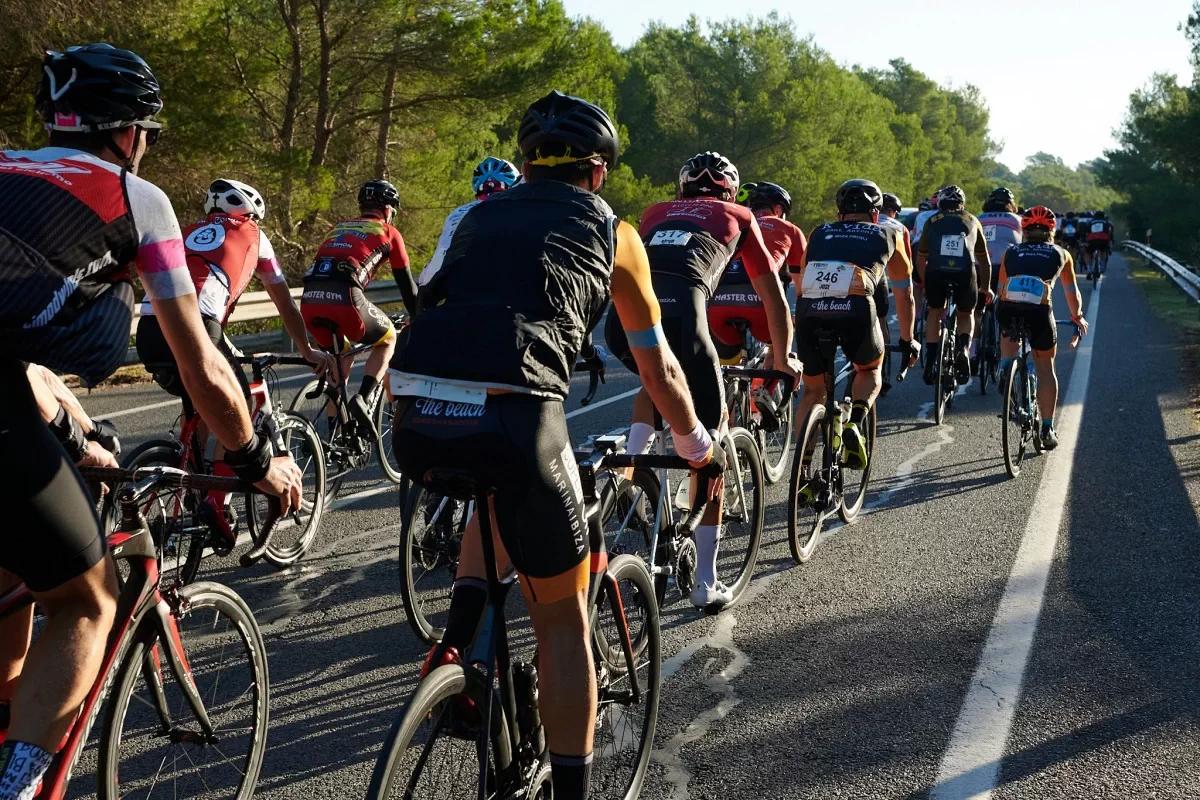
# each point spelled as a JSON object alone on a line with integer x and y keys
{"x": 708, "y": 173}
{"x": 559, "y": 119}
{"x": 1070, "y": 215}
{"x": 1003, "y": 194}
{"x": 891, "y": 202}
{"x": 96, "y": 87}
{"x": 766, "y": 194}
{"x": 1098, "y": 214}
{"x": 951, "y": 198}
{"x": 378, "y": 194}
{"x": 858, "y": 196}
{"x": 924, "y": 205}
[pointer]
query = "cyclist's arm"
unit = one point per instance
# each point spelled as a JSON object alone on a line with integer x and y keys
{"x": 637, "y": 308}
{"x": 899, "y": 278}
{"x": 402, "y": 275}
{"x": 922, "y": 254}
{"x": 52, "y": 394}
{"x": 206, "y": 374}
{"x": 275, "y": 283}
{"x": 1071, "y": 288}
{"x": 907, "y": 244}
{"x": 757, "y": 259}
{"x": 983, "y": 260}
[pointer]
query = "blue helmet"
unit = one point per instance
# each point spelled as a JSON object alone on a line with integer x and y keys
{"x": 494, "y": 175}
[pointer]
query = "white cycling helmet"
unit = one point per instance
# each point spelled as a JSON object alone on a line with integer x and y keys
{"x": 234, "y": 198}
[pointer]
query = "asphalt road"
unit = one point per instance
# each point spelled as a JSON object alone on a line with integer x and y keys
{"x": 856, "y": 675}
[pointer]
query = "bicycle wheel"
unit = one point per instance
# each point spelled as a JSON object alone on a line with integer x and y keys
{"x": 986, "y": 341}
{"x": 944, "y": 386}
{"x": 1012, "y": 417}
{"x": 744, "y": 512}
{"x": 853, "y": 495}
{"x": 315, "y": 410}
{"x": 163, "y": 751}
{"x": 383, "y": 418}
{"x": 776, "y": 445}
{"x": 430, "y": 541}
{"x": 433, "y": 751}
{"x": 294, "y": 533}
{"x": 170, "y": 514}
{"x": 810, "y": 455}
{"x": 624, "y": 733}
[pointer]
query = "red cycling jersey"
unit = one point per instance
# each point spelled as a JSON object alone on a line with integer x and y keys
{"x": 355, "y": 248}
{"x": 696, "y": 238}
{"x": 785, "y": 242}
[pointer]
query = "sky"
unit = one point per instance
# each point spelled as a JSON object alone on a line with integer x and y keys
{"x": 1108, "y": 48}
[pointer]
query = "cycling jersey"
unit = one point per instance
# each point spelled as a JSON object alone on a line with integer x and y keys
{"x": 1084, "y": 223}
{"x": 1002, "y": 230}
{"x": 71, "y": 224}
{"x": 1099, "y": 230}
{"x": 1069, "y": 229}
{"x": 891, "y": 222}
{"x": 354, "y": 249}
{"x": 531, "y": 268}
{"x": 223, "y": 255}
{"x": 919, "y": 223}
{"x": 697, "y": 237}
{"x": 1027, "y": 275}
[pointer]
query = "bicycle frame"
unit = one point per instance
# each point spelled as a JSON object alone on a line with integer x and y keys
{"x": 141, "y": 612}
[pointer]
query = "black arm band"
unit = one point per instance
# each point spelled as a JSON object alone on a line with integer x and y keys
{"x": 252, "y": 462}
{"x": 70, "y": 435}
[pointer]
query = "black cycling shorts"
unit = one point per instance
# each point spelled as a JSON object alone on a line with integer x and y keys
{"x": 160, "y": 362}
{"x": 963, "y": 286}
{"x": 685, "y": 326}
{"x": 51, "y": 533}
{"x": 1099, "y": 247}
{"x": 853, "y": 322}
{"x": 518, "y": 446}
{"x": 882, "y": 299}
{"x": 1038, "y": 322}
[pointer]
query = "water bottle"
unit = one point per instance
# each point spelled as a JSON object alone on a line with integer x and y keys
{"x": 529, "y": 719}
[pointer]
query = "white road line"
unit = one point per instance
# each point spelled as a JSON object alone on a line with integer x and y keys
{"x": 175, "y": 401}
{"x": 971, "y": 765}
{"x": 616, "y": 398}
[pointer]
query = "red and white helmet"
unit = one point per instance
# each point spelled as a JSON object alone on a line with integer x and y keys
{"x": 709, "y": 173}
{"x": 235, "y": 198}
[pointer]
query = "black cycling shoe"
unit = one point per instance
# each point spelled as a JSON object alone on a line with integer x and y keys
{"x": 362, "y": 415}
{"x": 1049, "y": 439}
{"x": 962, "y": 366}
{"x": 975, "y": 366}
{"x": 930, "y": 375}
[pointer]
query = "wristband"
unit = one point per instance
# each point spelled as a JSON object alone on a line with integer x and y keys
{"x": 70, "y": 435}
{"x": 252, "y": 462}
{"x": 694, "y": 446}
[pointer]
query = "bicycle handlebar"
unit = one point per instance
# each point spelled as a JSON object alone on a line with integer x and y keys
{"x": 789, "y": 381}
{"x": 903, "y": 372}
{"x": 596, "y": 367}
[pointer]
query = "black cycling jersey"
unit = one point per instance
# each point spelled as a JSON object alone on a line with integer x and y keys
{"x": 532, "y": 268}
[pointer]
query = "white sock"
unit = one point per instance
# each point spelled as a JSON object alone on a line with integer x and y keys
{"x": 24, "y": 765}
{"x": 641, "y": 436}
{"x": 706, "y": 554}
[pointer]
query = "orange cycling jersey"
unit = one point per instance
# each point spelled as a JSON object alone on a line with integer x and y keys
{"x": 785, "y": 242}
{"x": 354, "y": 250}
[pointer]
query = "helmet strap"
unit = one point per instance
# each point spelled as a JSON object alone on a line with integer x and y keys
{"x": 125, "y": 159}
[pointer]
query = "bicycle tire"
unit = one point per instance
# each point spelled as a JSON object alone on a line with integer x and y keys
{"x": 287, "y": 547}
{"x": 802, "y": 530}
{"x": 848, "y": 511}
{"x": 383, "y": 417}
{"x": 431, "y": 555}
{"x": 114, "y": 740}
{"x": 188, "y": 550}
{"x": 776, "y": 446}
{"x": 738, "y": 551}
{"x": 433, "y": 702}
{"x": 1011, "y": 427}
{"x": 623, "y": 741}
{"x": 985, "y": 349}
{"x": 313, "y": 410}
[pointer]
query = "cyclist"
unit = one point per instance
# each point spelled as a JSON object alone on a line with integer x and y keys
{"x": 516, "y": 344}
{"x": 75, "y": 220}
{"x": 1027, "y": 275}
{"x": 1081, "y": 254}
{"x": 835, "y": 289}
{"x": 1100, "y": 236}
{"x": 919, "y": 222}
{"x": 493, "y": 175}
{"x": 1002, "y": 229}
{"x": 735, "y": 297}
{"x": 952, "y": 259}
{"x": 690, "y": 241}
{"x": 224, "y": 251}
{"x": 1068, "y": 234}
{"x": 334, "y": 296}
{"x": 888, "y": 218}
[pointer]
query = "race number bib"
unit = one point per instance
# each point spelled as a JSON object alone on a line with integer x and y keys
{"x": 1097, "y": 227}
{"x": 676, "y": 238}
{"x": 1025, "y": 289}
{"x": 827, "y": 279}
{"x": 954, "y": 245}
{"x": 989, "y": 232}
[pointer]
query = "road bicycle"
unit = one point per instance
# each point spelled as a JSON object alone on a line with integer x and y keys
{"x": 475, "y": 727}
{"x": 818, "y": 461}
{"x": 184, "y": 670}
{"x": 1020, "y": 417}
{"x": 1098, "y": 266}
{"x": 326, "y": 404}
{"x": 669, "y": 550}
{"x": 773, "y": 433}
{"x": 180, "y": 520}
{"x": 988, "y": 352}
{"x": 946, "y": 381}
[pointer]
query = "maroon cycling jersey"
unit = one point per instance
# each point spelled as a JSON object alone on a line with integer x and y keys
{"x": 696, "y": 238}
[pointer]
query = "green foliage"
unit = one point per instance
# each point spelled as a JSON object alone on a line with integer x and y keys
{"x": 1047, "y": 181}
{"x": 304, "y": 101}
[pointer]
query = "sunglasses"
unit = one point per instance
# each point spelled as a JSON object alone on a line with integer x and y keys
{"x": 153, "y": 132}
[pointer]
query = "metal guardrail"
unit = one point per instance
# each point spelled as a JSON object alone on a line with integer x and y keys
{"x": 1184, "y": 278}
{"x": 254, "y": 306}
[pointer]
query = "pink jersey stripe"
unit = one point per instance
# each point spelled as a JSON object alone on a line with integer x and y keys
{"x": 161, "y": 256}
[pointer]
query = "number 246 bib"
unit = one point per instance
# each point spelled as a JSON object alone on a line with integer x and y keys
{"x": 827, "y": 279}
